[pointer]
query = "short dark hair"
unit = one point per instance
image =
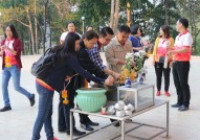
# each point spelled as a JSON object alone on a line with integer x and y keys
{"x": 71, "y": 23}
{"x": 134, "y": 29}
{"x": 166, "y": 30}
{"x": 184, "y": 21}
{"x": 105, "y": 31}
{"x": 89, "y": 35}
{"x": 124, "y": 28}
{"x": 13, "y": 30}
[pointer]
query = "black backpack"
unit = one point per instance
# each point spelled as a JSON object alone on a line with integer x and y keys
{"x": 43, "y": 66}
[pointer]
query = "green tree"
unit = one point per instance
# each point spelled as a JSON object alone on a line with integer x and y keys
{"x": 21, "y": 12}
{"x": 191, "y": 9}
{"x": 151, "y": 15}
{"x": 96, "y": 12}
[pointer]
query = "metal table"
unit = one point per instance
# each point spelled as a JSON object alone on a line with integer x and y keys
{"x": 158, "y": 103}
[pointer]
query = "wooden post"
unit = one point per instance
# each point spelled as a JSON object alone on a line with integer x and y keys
{"x": 128, "y": 6}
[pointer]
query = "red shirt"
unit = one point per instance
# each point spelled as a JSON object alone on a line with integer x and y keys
{"x": 10, "y": 59}
{"x": 183, "y": 41}
{"x": 17, "y": 46}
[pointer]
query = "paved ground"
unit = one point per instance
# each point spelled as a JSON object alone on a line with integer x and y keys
{"x": 17, "y": 124}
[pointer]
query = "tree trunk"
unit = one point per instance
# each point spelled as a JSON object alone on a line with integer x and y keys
{"x": 45, "y": 24}
{"x": 166, "y": 7}
{"x": 67, "y": 7}
{"x": 36, "y": 28}
{"x": 116, "y": 16}
{"x": 112, "y": 13}
{"x": 193, "y": 25}
{"x": 31, "y": 32}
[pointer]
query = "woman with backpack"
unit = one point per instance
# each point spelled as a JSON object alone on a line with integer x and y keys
{"x": 66, "y": 65}
{"x": 163, "y": 43}
{"x": 11, "y": 48}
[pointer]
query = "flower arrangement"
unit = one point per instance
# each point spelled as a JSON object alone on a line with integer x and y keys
{"x": 139, "y": 59}
{"x": 133, "y": 66}
{"x": 129, "y": 61}
{"x": 127, "y": 70}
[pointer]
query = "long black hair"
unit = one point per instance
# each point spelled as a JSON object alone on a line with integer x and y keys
{"x": 166, "y": 30}
{"x": 68, "y": 47}
{"x": 13, "y": 30}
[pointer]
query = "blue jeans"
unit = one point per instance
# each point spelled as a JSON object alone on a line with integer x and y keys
{"x": 44, "y": 113}
{"x": 15, "y": 73}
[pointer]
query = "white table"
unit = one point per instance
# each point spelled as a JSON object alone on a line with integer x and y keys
{"x": 158, "y": 103}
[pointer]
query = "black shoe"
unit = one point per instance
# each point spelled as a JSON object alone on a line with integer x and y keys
{"x": 115, "y": 123}
{"x": 176, "y": 105}
{"x": 32, "y": 100}
{"x": 62, "y": 130}
{"x": 6, "y": 108}
{"x": 87, "y": 127}
{"x": 183, "y": 108}
{"x": 93, "y": 123}
{"x": 76, "y": 132}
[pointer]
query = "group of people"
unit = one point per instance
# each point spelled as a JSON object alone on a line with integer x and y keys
{"x": 80, "y": 55}
{"x": 177, "y": 55}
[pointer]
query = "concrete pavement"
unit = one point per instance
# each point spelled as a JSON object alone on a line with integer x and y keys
{"x": 18, "y": 123}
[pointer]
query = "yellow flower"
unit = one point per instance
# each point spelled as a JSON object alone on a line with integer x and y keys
{"x": 65, "y": 102}
{"x": 64, "y": 94}
{"x": 133, "y": 75}
{"x": 124, "y": 74}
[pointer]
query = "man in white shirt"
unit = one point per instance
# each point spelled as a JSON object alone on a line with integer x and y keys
{"x": 181, "y": 64}
{"x": 70, "y": 28}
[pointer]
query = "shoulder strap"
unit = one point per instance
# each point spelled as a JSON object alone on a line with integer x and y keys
{"x": 156, "y": 45}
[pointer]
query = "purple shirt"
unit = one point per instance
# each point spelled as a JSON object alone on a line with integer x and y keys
{"x": 136, "y": 42}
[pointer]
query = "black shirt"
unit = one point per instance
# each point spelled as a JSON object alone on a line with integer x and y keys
{"x": 87, "y": 64}
{"x": 67, "y": 67}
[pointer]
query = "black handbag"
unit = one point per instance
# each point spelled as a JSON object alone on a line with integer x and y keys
{"x": 162, "y": 60}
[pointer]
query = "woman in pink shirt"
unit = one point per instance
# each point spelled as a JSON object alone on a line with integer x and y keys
{"x": 11, "y": 48}
{"x": 163, "y": 43}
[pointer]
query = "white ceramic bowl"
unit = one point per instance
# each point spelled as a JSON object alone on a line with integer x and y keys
{"x": 120, "y": 113}
{"x": 128, "y": 113}
{"x": 131, "y": 107}
{"x": 119, "y": 107}
{"x": 121, "y": 103}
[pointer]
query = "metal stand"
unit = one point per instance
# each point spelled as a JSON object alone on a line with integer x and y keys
{"x": 122, "y": 130}
{"x": 71, "y": 125}
{"x": 158, "y": 103}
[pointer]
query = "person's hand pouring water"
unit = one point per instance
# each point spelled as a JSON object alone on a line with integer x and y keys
{"x": 109, "y": 81}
